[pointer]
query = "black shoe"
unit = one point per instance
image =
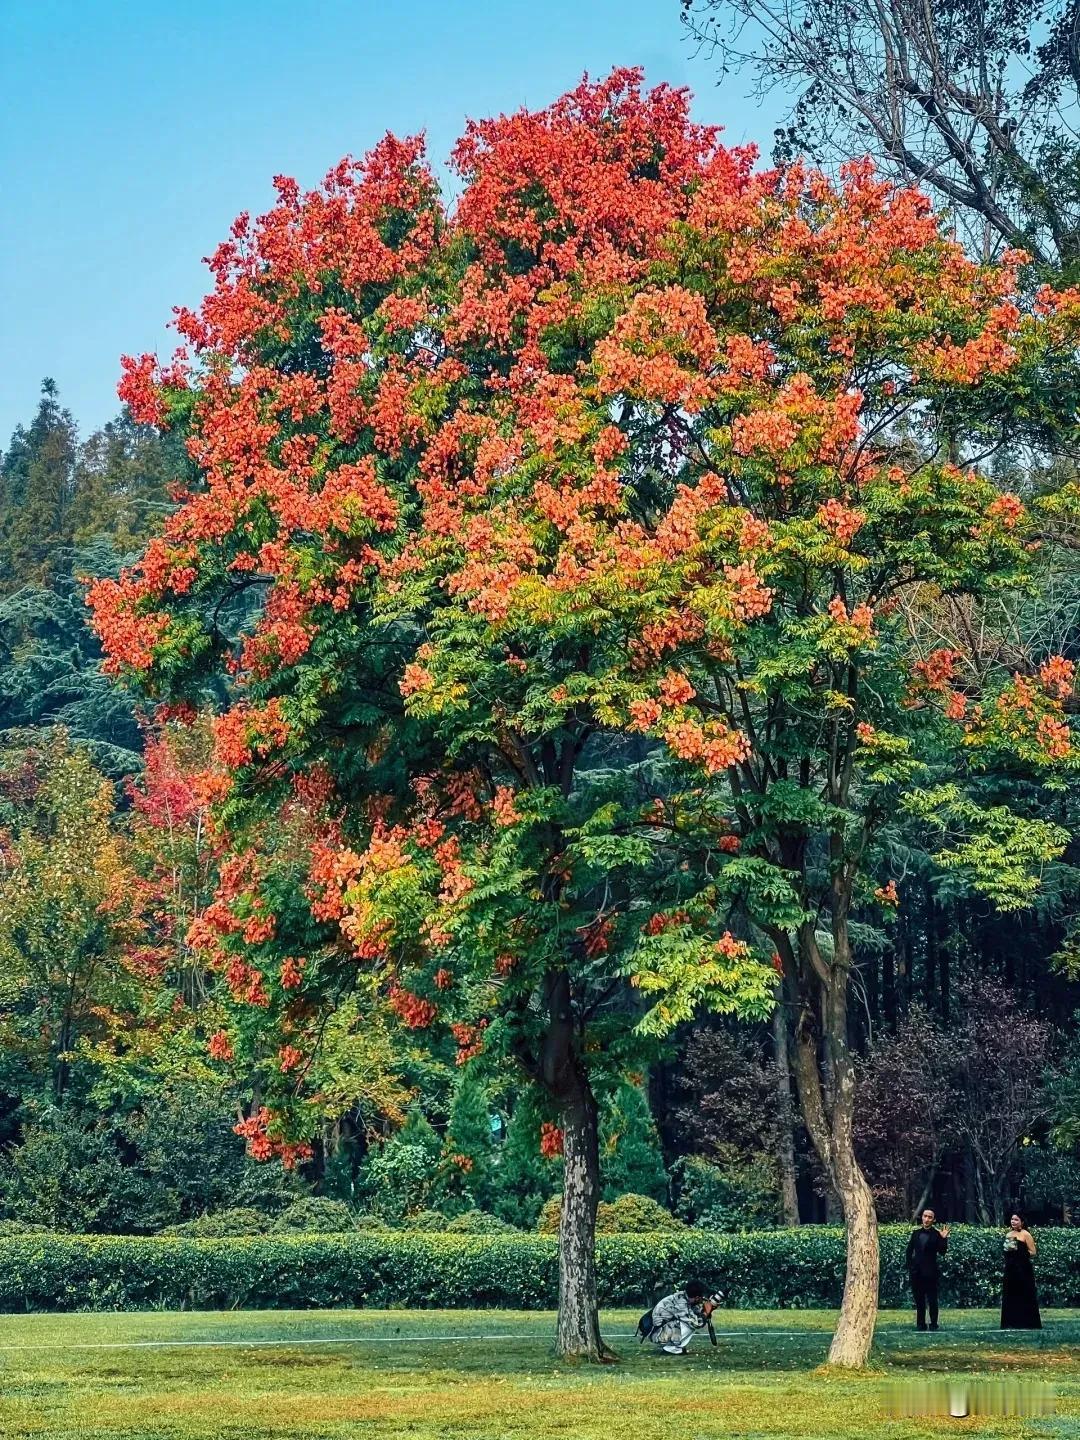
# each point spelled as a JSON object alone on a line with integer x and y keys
{"x": 920, "y": 1327}
{"x": 934, "y": 1327}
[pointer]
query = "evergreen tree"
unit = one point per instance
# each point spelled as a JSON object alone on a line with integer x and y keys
{"x": 469, "y": 1146}
{"x": 37, "y": 477}
{"x": 526, "y": 1177}
{"x": 123, "y": 479}
{"x": 50, "y": 670}
{"x": 631, "y": 1161}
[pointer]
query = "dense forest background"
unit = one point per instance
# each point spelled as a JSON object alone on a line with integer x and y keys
{"x": 114, "y": 1116}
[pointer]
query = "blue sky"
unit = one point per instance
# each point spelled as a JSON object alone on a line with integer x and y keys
{"x": 135, "y": 130}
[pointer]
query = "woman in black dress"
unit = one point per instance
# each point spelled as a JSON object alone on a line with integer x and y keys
{"x": 1019, "y": 1298}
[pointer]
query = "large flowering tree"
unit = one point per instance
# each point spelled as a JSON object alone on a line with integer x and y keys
{"x": 559, "y": 551}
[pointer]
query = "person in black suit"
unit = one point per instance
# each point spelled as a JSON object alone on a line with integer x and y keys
{"x": 923, "y": 1249}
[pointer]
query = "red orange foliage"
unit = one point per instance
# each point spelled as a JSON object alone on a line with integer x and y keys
{"x": 608, "y": 448}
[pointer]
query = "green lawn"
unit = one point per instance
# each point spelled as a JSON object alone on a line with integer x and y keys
{"x": 422, "y": 1374}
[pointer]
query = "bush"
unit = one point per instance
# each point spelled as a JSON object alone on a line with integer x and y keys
{"x": 628, "y": 1215}
{"x": 779, "y": 1268}
{"x": 730, "y": 1194}
{"x": 137, "y": 1172}
{"x": 399, "y": 1174}
{"x": 635, "y": 1215}
{"x": 478, "y": 1222}
{"x": 315, "y": 1215}
{"x": 240, "y": 1220}
{"x": 427, "y": 1221}
{"x": 550, "y": 1216}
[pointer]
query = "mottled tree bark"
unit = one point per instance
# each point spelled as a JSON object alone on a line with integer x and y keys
{"x": 828, "y": 1112}
{"x": 566, "y": 1080}
{"x": 578, "y": 1332}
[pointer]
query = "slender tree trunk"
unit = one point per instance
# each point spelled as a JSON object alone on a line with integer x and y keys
{"x": 888, "y": 985}
{"x": 970, "y": 1211}
{"x": 829, "y": 1112}
{"x": 789, "y": 1194}
{"x": 926, "y": 1192}
{"x": 854, "y": 1333}
{"x": 578, "y": 1332}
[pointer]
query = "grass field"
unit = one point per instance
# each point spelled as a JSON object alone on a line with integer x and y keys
{"x": 268, "y": 1375}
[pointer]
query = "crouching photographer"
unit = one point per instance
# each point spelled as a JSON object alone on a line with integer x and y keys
{"x": 673, "y": 1321}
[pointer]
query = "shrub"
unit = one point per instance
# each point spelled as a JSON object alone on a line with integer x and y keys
{"x": 732, "y": 1193}
{"x": 779, "y": 1268}
{"x": 628, "y": 1215}
{"x": 137, "y": 1172}
{"x": 399, "y": 1174}
{"x": 635, "y": 1215}
{"x": 478, "y": 1222}
{"x": 427, "y": 1221}
{"x": 315, "y": 1215}
{"x": 550, "y": 1216}
{"x": 240, "y": 1220}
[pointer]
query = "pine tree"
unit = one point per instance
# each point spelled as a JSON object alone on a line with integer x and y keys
{"x": 36, "y": 492}
{"x": 469, "y": 1146}
{"x": 123, "y": 477}
{"x": 526, "y": 1178}
{"x": 631, "y": 1160}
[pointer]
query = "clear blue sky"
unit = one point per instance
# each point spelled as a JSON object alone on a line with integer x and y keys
{"x": 135, "y": 130}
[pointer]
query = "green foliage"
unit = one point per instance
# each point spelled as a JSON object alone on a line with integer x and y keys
{"x": 1000, "y": 853}
{"x": 240, "y": 1220}
{"x": 316, "y": 1215}
{"x": 728, "y": 1193}
{"x": 432, "y": 1222}
{"x": 628, "y": 1215}
{"x": 50, "y": 672}
{"x": 550, "y": 1216}
{"x": 69, "y": 511}
{"x": 525, "y": 1178}
{"x": 631, "y": 1161}
{"x": 466, "y": 1222}
{"x": 478, "y": 1222}
{"x": 468, "y": 1172}
{"x": 399, "y": 1177}
{"x": 784, "y": 1268}
{"x": 37, "y": 483}
{"x": 137, "y": 1171}
{"x": 634, "y": 1215}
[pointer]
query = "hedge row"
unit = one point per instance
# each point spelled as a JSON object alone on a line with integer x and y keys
{"x": 781, "y": 1268}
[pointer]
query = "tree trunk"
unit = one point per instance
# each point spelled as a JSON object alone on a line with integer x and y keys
{"x": 828, "y": 1109}
{"x": 927, "y": 1191}
{"x": 578, "y": 1331}
{"x": 858, "y": 1314}
{"x": 789, "y": 1194}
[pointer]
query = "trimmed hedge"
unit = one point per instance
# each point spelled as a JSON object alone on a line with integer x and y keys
{"x": 778, "y": 1268}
